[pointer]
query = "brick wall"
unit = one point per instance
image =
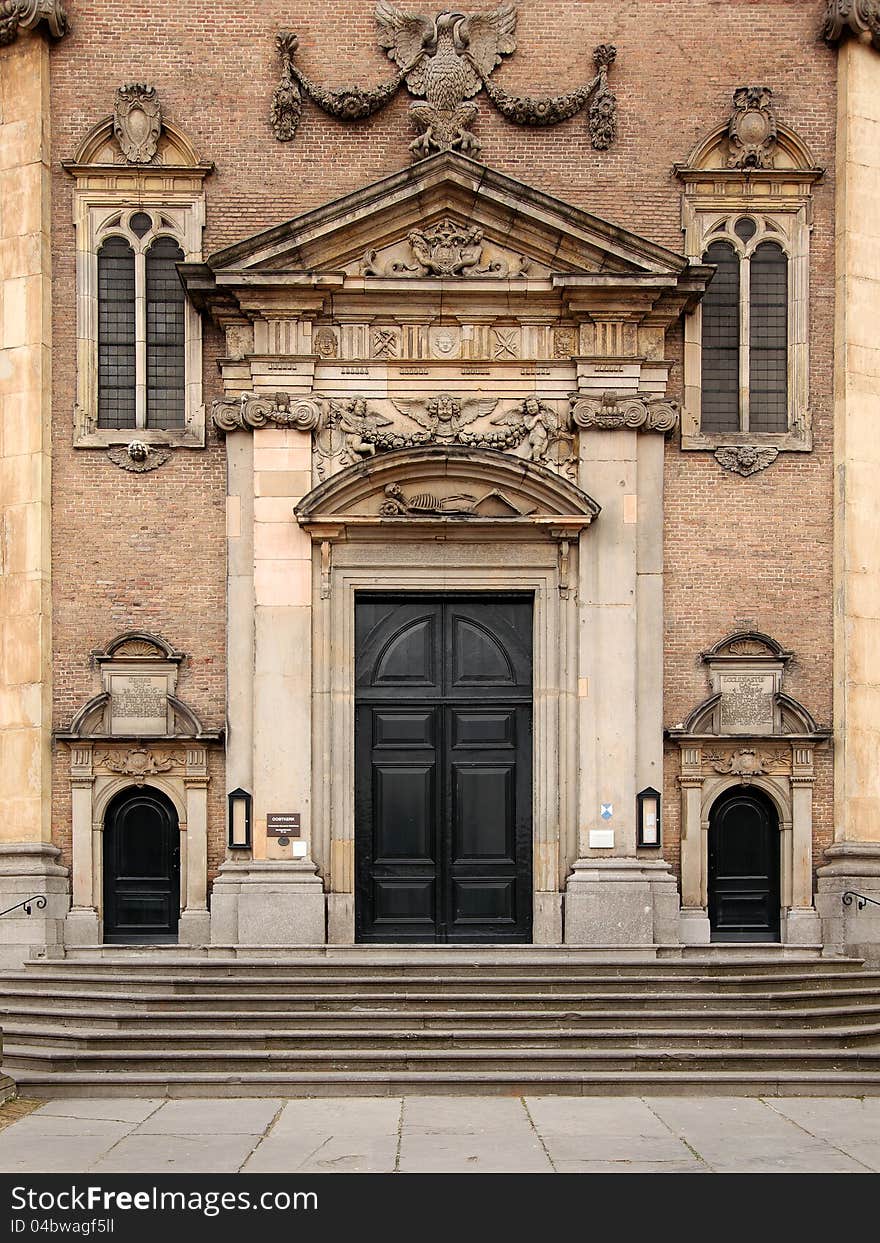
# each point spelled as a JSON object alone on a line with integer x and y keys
{"x": 148, "y": 551}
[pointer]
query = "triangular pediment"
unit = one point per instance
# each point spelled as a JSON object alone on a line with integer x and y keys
{"x": 505, "y": 229}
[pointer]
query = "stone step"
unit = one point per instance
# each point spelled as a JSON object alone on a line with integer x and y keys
{"x": 518, "y": 1082}
{"x": 213, "y": 1041}
{"x": 160, "y": 1001}
{"x": 143, "y": 1020}
{"x": 22, "y": 1057}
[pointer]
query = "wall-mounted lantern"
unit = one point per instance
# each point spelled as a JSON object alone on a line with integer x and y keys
{"x": 239, "y": 820}
{"x": 648, "y": 818}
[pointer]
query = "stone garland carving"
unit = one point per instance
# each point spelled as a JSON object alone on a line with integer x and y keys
{"x": 752, "y": 131}
{"x": 138, "y": 763}
{"x": 445, "y": 249}
{"x": 745, "y": 460}
{"x": 137, "y": 457}
{"x": 18, "y": 15}
{"x": 860, "y": 17}
{"x": 444, "y": 61}
{"x": 137, "y": 121}
{"x": 613, "y": 410}
{"x": 524, "y": 110}
{"x": 250, "y": 411}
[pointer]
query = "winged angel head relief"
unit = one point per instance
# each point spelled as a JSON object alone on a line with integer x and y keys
{"x": 444, "y": 61}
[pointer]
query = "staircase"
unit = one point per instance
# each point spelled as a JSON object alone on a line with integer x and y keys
{"x": 376, "y": 1021}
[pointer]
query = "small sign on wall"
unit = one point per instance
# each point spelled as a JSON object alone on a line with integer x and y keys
{"x": 601, "y": 839}
{"x": 283, "y": 824}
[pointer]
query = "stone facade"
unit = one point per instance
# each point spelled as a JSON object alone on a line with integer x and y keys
{"x": 202, "y": 551}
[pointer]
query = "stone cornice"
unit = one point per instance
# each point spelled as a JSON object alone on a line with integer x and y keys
{"x": 47, "y": 15}
{"x": 858, "y": 17}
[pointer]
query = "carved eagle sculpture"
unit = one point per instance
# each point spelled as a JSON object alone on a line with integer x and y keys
{"x": 448, "y": 59}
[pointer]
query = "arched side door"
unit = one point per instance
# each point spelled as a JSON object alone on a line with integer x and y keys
{"x": 744, "y": 894}
{"x": 443, "y": 785}
{"x": 141, "y": 867}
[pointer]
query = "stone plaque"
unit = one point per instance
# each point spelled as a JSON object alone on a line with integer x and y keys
{"x": 138, "y": 704}
{"x": 747, "y": 703}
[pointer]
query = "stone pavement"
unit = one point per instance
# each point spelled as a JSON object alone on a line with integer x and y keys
{"x": 447, "y": 1134}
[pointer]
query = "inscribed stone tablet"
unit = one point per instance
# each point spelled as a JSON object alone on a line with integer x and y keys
{"x": 138, "y": 704}
{"x": 747, "y": 703}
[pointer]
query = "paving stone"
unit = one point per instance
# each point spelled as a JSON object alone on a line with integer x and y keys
{"x": 177, "y": 1154}
{"x": 315, "y": 1136}
{"x": 39, "y": 1124}
{"x": 467, "y": 1134}
{"x": 234, "y": 1116}
{"x": 52, "y": 1154}
{"x": 631, "y": 1167}
{"x": 114, "y": 1109}
{"x": 596, "y": 1115}
{"x": 840, "y": 1120}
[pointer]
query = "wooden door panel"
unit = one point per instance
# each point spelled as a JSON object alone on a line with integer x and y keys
{"x": 744, "y": 896}
{"x": 443, "y": 768}
{"x": 141, "y": 868}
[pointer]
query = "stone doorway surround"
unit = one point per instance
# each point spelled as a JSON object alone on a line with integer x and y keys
{"x": 748, "y": 732}
{"x": 446, "y": 375}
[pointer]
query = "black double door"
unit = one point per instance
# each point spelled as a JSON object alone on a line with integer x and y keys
{"x": 744, "y": 896}
{"x": 443, "y": 786}
{"x": 141, "y": 868}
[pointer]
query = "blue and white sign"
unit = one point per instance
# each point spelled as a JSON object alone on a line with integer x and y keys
{"x": 607, "y": 811}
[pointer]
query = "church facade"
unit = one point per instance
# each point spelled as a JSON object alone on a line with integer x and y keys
{"x": 441, "y": 510}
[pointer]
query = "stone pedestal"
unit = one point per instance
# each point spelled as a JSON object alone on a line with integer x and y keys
{"x": 802, "y": 926}
{"x": 82, "y": 927}
{"x": 693, "y": 926}
{"x": 268, "y": 902}
{"x": 26, "y": 870}
{"x": 851, "y": 867}
{"x": 621, "y": 902}
{"x": 194, "y": 928}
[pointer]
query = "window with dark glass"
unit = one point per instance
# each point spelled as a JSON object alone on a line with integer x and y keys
{"x": 745, "y": 336}
{"x": 768, "y": 339}
{"x": 117, "y": 349}
{"x": 721, "y": 321}
{"x": 165, "y": 336}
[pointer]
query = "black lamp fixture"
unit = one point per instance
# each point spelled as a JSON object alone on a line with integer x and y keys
{"x": 648, "y": 818}
{"x": 239, "y": 820}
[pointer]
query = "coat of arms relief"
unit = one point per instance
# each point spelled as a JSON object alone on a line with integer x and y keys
{"x": 444, "y": 61}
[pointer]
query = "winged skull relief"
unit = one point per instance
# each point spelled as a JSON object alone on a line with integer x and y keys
{"x": 444, "y": 61}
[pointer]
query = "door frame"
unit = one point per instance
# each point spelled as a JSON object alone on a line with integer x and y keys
{"x": 529, "y": 566}
{"x": 777, "y": 856}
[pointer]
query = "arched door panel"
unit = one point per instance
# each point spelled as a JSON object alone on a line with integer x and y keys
{"x": 141, "y": 868}
{"x": 744, "y": 897}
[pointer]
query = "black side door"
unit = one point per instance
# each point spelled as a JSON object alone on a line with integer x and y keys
{"x": 141, "y": 868}
{"x": 744, "y": 896}
{"x": 443, "y": 768}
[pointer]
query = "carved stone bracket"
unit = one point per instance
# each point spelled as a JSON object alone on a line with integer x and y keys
{"x": 16, "y": 15}
{"x": 613, "y": 410}
{"x": 444, "y": 61}
{"x": 137, "y": 456}
{"x": 250, "y": 412}
{"x": 752, "y": 131}
{"x": 137, "y": 121}
{"x": 745, "y": 460}
{"x": 858, "y": 17}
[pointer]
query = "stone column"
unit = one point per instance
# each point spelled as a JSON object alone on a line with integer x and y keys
{"x": 280, "y": 897}
{"x": 195, "y": 922}
{"x": 28, "y": 860}
{"x": 614, "y": 897}
{"x": 82, "y": 926}
{"x": 853, "y": 862}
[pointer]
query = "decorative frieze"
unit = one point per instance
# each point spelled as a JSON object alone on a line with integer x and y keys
{"x": 16, "y": 15}
{"x": 858, "y": 17}
{"x": 614, "y": 411}
{"x": 137, "y": 121}
{"x": 445, "y": 249}
{"x": 444, "y": 61}
{"x": 138, "y": 763}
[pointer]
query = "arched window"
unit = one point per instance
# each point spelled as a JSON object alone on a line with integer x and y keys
{"x": 744, "y": 347}
{"x": 165, "y": 336}
{"x": 116, "y": 334}
{"x": 721, "y": 319}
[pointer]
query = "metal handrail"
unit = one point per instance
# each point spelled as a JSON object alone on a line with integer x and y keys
{"x": 38, "y": 900}
{"x": 861, "y": 900}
